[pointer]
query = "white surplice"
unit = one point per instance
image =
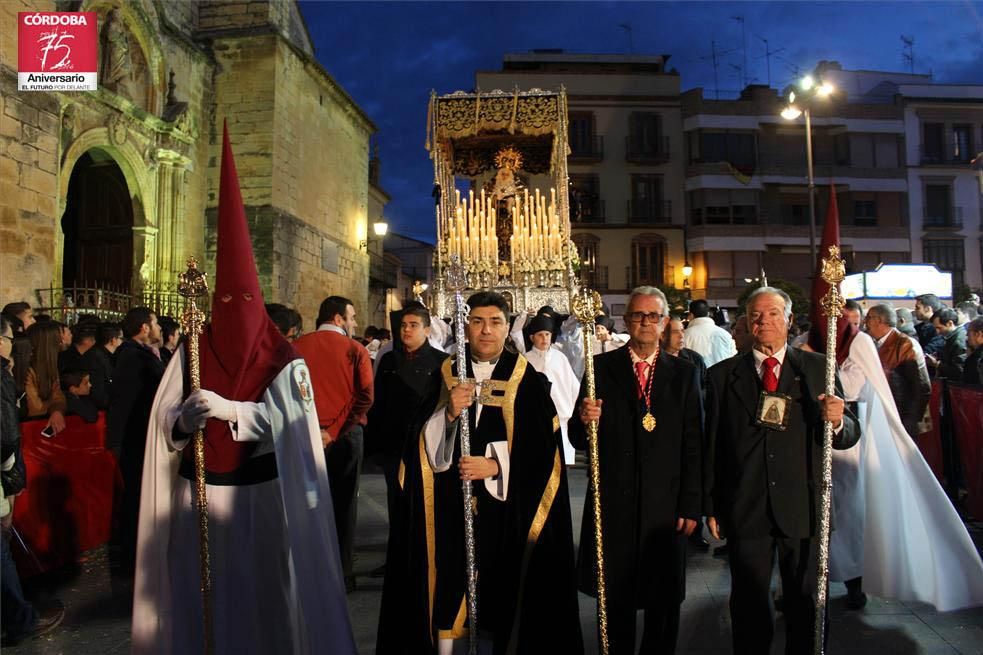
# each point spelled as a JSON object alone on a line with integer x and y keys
{"x": 276, "y": 574}
{"x": 564, "y": 387}
{"x": 894, "y": 523}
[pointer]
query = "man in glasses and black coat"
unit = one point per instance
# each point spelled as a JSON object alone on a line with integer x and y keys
{"x": 649, "y": 441}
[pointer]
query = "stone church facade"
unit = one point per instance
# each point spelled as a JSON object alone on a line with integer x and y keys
{"x": 112, "y": 190}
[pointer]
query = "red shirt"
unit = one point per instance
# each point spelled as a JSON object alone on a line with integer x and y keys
{"x": 341, "y": 373}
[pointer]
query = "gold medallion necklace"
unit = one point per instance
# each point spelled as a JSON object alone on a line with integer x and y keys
{"x": 648, "y": 420}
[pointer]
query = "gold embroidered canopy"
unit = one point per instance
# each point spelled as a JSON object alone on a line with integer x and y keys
{"x": 511, "y": 233}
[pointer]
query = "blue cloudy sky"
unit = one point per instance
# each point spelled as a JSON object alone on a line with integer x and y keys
{"x": 389, "y": 55}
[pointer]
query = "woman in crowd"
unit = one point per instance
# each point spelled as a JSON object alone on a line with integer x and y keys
{"x": 44, "y": 395}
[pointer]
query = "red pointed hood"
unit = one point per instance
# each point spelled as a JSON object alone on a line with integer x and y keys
{"x": 241, "y": 350}
{"x": 845, "y": 332}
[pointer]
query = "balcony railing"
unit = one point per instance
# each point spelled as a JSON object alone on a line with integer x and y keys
{"x": 647, "y": 210}
{"x": 947, "y": 154}
{"x": 951, "y": 219}
{"x": 587, "y": 210}
{"x": 639, "y": 152}
{"x": 590, "y": 149}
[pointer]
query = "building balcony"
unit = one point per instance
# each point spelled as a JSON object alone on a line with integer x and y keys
{"x": 935, "y": 219}
{"x": 648, "y": 211}
{"x": 638, "y": 152}
{"x": 587, "y": 151}
{"x": 588, "y": 210}
{"x": 946, "y": 155}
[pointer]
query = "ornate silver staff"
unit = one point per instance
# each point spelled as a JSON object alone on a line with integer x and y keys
{"x": 457, "y": 280}
{"x": 832, "y": 272}
{"x": 192, "y": 285}
{"x": 586, "y": 307}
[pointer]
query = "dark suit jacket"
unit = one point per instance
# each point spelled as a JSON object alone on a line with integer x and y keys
{"x": 648, "y": 479}
{"x": 401, "y": 385}
{"x": 135, "y": 380}
{"x": 761, "y": 482}
{"x": 953, "y": 356}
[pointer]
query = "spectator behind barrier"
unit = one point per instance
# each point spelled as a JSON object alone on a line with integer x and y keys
{"x": 20, "y": 316}
{"x": 20, "y": 618}
{"x": 44, "y": 396}
{"x": 83, "y": 339}
{"x": 973, "y": 368}
{"x": 953, "y": 355}
{"x": 76, "y": 386}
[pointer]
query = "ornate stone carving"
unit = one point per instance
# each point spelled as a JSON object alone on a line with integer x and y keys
{"x": 118, "y": 130}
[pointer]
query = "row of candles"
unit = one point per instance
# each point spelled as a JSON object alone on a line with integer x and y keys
{"x": 472, "y": 232}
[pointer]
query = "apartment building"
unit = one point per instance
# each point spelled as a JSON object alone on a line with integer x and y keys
{"x": 746, "y": 182}
{"x": 944, "y": 133}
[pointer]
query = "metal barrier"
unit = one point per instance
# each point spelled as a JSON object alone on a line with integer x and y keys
{"x": 66, "y": 304}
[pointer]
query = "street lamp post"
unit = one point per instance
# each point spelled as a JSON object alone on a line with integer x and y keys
{"x": 809, "y": 90}
{"x": 812, "y": 188}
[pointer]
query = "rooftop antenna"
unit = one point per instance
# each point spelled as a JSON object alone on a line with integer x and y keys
{"x": 627, "y": 28}
{"x": 768, "y": 53}
{"x": 740, "y": 19}
{"x": 714, "y": 59}
{"x": 908, "y": 52}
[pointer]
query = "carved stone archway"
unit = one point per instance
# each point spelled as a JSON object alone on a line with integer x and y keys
{"x": 139, "y": 183}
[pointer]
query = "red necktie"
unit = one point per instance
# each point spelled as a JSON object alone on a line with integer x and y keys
{"x": 640, "y": 368}
{"x": 768, "y": 377}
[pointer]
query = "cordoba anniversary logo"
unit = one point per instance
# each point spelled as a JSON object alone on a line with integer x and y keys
{"x": 57, "y": 51}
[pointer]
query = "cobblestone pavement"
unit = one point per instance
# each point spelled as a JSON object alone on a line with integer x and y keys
{"x": 98, "y": 608}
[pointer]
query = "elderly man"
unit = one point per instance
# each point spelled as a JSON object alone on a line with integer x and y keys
{"x": 705, "y": 337}
{"x": 649, "y": 441}
{"x": 904, "y": 366}
{"x": 763, "y": 471}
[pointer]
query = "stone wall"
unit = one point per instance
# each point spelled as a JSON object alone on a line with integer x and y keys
{"x": 321, "y": 155}
{"x": 29, "y": 154}
{"x": 301, "y": 148}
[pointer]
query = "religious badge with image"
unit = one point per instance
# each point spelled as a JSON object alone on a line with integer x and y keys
{"x": 773, "y": 410}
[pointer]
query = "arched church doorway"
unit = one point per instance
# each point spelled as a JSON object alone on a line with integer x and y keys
{"x": 98, "y": 225}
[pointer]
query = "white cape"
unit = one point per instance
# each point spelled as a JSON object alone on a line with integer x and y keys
{"x": 893, "y": 522}
{"x": 276, "y": 573}
{"x": 564, "y": 387}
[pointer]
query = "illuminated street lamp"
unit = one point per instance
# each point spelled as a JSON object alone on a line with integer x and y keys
{"x": 380, "y": 229}
{"x": 797, "y": 105}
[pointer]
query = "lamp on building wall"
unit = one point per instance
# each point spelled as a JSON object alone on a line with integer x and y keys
{"x": 379, "y": 229}
{"x": 687, "y": 272}
{"x": 799, "y": 98}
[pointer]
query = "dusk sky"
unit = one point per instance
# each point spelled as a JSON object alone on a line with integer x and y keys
{"x": 389, "y": 55}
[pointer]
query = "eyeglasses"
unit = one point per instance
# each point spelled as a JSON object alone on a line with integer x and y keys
{"x": 643, "y": 317}
{"x": 4, "y": 336}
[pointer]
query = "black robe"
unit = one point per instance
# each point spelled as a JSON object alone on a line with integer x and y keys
{"x": 648, "y": 479}
{"x": 527, "y": 597}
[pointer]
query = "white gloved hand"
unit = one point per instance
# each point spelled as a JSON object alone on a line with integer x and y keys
{"x": 203, "y": 405}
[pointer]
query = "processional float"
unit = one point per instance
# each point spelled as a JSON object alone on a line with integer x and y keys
{"x": 503, "y": 224}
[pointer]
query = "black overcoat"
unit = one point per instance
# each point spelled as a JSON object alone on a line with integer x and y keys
{"x": 648, "y": 479}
